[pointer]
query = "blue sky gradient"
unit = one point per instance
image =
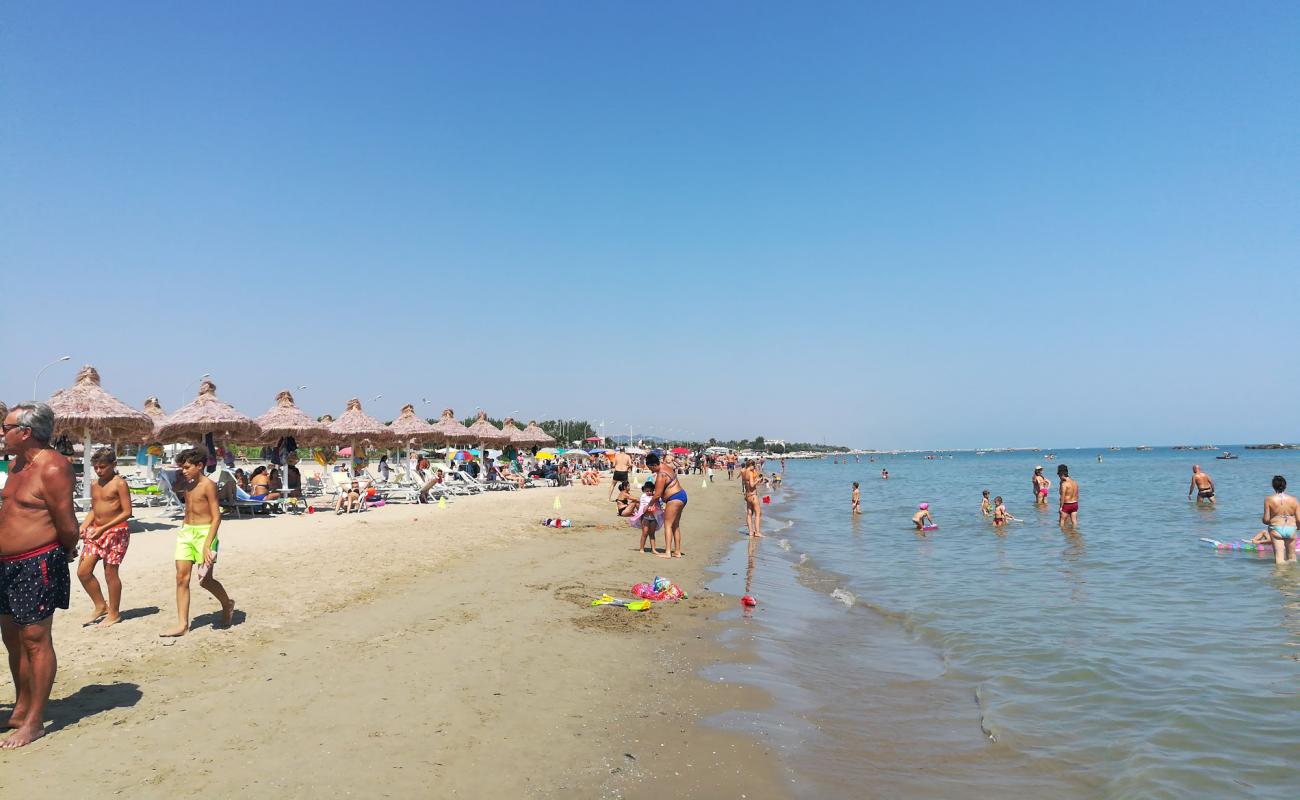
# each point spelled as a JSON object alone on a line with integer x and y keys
{"x": 938, "y": 225}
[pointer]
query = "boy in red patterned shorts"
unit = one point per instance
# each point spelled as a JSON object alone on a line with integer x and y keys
{"x": 104, "y": 535}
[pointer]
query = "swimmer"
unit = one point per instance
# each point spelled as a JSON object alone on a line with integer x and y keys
{"x": 922, "y": 518}
{"x": 884, "y": 474}
{"x": 1280, "y": 513}
{"x": 857, "y": 499}
{"x": 986, "y": 507}
{"x": 1000, "y": 514}
{"x": 1203, "y": 485}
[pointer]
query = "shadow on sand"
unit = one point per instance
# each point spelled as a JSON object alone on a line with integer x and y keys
{"x": 214, "y": 619}
{"x": 86, "y": 702}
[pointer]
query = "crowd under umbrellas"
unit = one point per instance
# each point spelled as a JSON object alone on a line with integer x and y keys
{"x": 88, "y": 412}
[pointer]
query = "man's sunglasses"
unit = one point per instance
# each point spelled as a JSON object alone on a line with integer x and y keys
{"x": 6, "y": 427}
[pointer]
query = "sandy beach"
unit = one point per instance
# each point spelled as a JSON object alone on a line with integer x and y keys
{"x": 410, "y": 650}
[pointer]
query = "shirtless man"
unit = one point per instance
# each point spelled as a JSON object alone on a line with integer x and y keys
{"x": 197, "y": 543}
{"x": 1202, "y": 485}
{"x": 1041, "y": 484}
{"x": 1280, "y": 514}
{"x": 857, "y": 499}
{"x": 38, "y": 537}
{"x": 749, "y": 477}
{"x": 1069, "y": 491}
{"x": 622, "y": 470}
{"x": 671, "y": 496}
{"x": 106, "y": 537}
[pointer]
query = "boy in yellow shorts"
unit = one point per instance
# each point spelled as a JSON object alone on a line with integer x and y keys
{"x": 196, "y": 541}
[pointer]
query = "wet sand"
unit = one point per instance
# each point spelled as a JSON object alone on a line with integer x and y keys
{"x": 408, "y": 650}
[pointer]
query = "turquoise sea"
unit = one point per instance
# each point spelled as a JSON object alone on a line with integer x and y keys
{"x": 1125, "y": 660}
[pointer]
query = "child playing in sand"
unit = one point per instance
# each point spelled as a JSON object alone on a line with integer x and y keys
{"x": 922, "y": 518}
{"x": 196, "y": 542}
{"x": 857, "y": 499}
{"x": 104, "y": 536}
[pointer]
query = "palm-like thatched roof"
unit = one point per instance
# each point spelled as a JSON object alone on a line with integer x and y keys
{"x": 86, "y": 408}
{"x": 536, "y": 436}
{"x": 451, "y": 429}
{"x": 486, "y": 433}
{"x": 355, "y": 424}
{"x": 209, "y": 414}
{"x": 409, "y": 427}
{"x": 286, "y": 419}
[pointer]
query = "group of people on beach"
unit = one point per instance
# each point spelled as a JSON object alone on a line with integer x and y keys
{"x": 40, "y": 536}
{"x": 661, "y": 505}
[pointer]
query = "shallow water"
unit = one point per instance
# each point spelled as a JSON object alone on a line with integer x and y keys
{"x": 1125, "y": 660}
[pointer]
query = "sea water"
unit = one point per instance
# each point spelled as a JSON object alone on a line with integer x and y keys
{"x": 1126, "y": 659}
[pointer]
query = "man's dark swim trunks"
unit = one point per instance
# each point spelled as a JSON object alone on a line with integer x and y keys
{"x": 619, "y": 476}
{"x": 1204, "y": 494}
{"x": 34, "y": 583}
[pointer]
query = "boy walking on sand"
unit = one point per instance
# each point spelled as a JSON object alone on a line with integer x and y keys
{"x": 104, "y": 535}
{"x": 196, "y": 542}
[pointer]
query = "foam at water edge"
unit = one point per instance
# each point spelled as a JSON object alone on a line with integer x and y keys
{"x": 784, "y": 544}
{"x": 844, "y": 596}
{"x": 803, "y": 558}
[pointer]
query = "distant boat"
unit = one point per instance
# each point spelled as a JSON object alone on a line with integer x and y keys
{"x": 1144, "y": 447}
{"x": 1115, "y": 449}
{"x": 1226, "y": 456}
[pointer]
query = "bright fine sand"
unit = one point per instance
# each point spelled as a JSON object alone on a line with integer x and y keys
{"x": 408, "y": 651}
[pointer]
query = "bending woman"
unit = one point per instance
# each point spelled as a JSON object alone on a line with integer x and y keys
{"x": 669, "y": 491}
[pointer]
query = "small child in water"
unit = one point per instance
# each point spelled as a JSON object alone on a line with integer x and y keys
{"x": 857, "y": 499}
{"x": 986, "y": 508}
{"x": 922, "y": 518}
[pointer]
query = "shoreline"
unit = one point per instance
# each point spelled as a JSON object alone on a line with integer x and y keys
{"x": 448, "y": 640}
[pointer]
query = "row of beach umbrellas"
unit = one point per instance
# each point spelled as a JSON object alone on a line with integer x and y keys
{"x": 87, "y": 411}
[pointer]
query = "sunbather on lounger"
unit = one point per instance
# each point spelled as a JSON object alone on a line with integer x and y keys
{"x": 349, "y": 501}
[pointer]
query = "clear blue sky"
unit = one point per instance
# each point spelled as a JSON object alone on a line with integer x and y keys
{"x": 896, "y": 225}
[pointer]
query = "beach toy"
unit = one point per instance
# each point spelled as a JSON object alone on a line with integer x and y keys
{"x": 377, "y": 503}
{"x": 767, "y": 499}
{"x": 630, "y": 605}
{"x": 1242, "y": 546}
{"x": 930, "y": 527}
{"x": 557, "y": 522}
{"x": 556, "y": 504}
{"x": 748, "y": 600}
{"x": 442, "y": 502}
{"x": 311, "y": 509}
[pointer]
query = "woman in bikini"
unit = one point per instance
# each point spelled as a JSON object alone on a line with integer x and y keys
{"x": 669, "y": 491}
{"x": 623, "y": 503}
{"x": 1280, "y": 513}
{"x": 1041, "y": 485}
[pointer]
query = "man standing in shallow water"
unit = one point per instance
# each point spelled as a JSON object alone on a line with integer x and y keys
{"x": 1069, "y": 491}
{"x": 1203, "y": 485}
{"x": 38, "y": 537}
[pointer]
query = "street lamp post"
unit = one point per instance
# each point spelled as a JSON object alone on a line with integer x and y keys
{"x": 37, "y": 379}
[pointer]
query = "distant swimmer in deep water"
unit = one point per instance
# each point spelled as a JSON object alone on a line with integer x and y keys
{"x": 1280, "y": 513}
{"x": 1041, "y": 484}
{"x": 1203, "y": 485}
{"x": 922, "y": 519}
{"x": 884, "y": 474}
{"x": 986, "y": 507}
{"x": 1069, "y": 491}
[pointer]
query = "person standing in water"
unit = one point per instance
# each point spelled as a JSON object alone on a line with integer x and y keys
{"x": 922, "y": 519}
{"x": 986, "y": 507}
{"x": 857, "y": 499}
{"x": 1280, "y": 514}
{"x": 1069, "y": 497}
{"x": 884, "y": 474}
{"x": 1041, "y": 485}
{"x": 1203, "y": 485}
{"x": 749, "y": 490}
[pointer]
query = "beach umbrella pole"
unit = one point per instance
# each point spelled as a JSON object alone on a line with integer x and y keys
{"x": 86, "y": 470}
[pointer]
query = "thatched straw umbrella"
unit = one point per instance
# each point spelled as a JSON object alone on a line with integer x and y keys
{"x": 205, "y": 418}
{"x": 155, "y": 411}
{"x": 487, "y": 435}
{"x": 285, "y": 419}
{"x": 408, "y": 428}
{"x": 451, "y": 429}
{"x": 517, "y": 437}
{"x": 356, "y": 425}
{"x": 536, "y": 436}
{"x": 88, "y": 410}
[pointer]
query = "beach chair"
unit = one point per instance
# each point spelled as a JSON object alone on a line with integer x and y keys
{"x": 244, "y": 502}
{"x": 173, "y": 505}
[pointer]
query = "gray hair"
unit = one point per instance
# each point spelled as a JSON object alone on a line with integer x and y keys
{"x": 38, "y": 418}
